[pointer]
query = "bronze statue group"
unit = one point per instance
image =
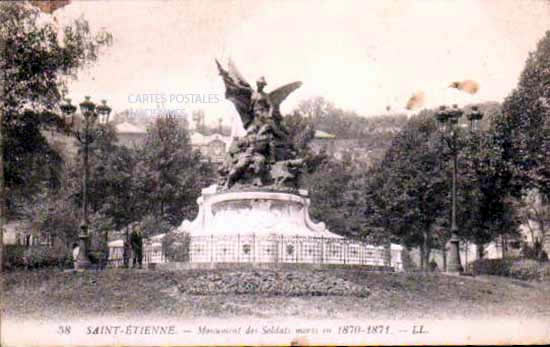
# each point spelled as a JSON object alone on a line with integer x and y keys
{"x": 265, "y": 156}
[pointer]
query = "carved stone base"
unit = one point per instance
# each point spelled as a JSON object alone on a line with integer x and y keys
{"x": 259, "y": 227}
{"x": 254, "y": 212}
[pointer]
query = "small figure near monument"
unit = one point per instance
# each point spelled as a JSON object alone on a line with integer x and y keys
{"x": 126, "y": 254}
{"x": 136, "y": 242}
{"x": 264, "y": 157}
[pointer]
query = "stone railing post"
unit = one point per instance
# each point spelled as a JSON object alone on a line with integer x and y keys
{"x": 238, "y": 248}
{"x": 253, "y": 248}
{"x": 212, "y": 248}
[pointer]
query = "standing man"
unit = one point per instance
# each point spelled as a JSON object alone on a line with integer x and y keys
{"x": 136, "y": 242}
{"x": 126, "y": 253}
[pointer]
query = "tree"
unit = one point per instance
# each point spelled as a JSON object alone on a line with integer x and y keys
{"x": 35, "y": 62}
{"x": 414, "y": 186}
{"x": 328, "y": 189}
{"x": 31, "y": 165}
{"x": 172, "y": 173}
{"x": 315, "y": 108}
{"x": 156, "y": 184}
{"x": 524, "y": 129}
{"x": 57, "y": 217}
{"x": 489, "y": 193}
{"x": 337, "y": 186}
{"x": 408, "y": 192}
{"x": 301, "y": 130}
{"x": 535, "y": 214}
{"x": 348, "y": 124}
{"x": 115, "y": 190}
{"x": 326, "y": 179}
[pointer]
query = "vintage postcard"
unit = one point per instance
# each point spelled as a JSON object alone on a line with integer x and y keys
{"x": 274, "y": 172}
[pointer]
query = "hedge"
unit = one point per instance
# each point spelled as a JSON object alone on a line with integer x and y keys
{"x": 36, "y": 257}
{"x": 518, "y": 268}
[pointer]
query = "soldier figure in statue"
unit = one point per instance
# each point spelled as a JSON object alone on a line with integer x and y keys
{"x": 264, "y": 157}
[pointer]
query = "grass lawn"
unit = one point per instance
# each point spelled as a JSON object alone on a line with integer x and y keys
{"x": 119, "y": 292}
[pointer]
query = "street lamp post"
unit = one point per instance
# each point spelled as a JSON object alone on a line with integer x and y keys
{"x": 85, "y": 137}
{"x": 475, "y": 117}
{"x": 448, "y": 119}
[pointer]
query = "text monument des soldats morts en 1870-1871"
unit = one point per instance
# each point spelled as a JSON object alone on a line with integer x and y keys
{"x": 258, "y": 213}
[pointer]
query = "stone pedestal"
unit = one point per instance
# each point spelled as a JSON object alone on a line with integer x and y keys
{"x": 264, "y": 227}
{"x": 254, "y": 213}
{"x": 82, "y": 262}
{"x": 454, "y": 265}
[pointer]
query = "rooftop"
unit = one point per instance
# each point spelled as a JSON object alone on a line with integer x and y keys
{"x": 129, "y": 128}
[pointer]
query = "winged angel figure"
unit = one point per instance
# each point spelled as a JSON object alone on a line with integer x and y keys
{"x": 261, "y": 153}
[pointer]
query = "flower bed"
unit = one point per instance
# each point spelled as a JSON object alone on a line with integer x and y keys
{"x": 269, "y": 283}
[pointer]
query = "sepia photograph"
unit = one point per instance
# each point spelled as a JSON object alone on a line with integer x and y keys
{"x": 274, "y": 172}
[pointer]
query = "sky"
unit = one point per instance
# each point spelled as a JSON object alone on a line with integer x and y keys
{"x": 361, "y": 55}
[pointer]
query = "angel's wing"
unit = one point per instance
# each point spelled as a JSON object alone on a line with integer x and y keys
{"x": 237, "y": 90}
{"x": 280, "y": 94}
{"x": 236, "y": 75}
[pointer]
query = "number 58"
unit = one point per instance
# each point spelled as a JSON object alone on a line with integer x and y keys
{"x": 64, "y": 330}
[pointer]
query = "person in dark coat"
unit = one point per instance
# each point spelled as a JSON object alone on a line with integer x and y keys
{"x": 126, "y": 252}
{"x": 136, "y": 242}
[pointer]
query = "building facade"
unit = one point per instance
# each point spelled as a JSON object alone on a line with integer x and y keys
{"x": 212, "y": 146}
{"x": 130, "y": 135}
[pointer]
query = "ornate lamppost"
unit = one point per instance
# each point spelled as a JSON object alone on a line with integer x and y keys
{"x": 448, "y": 121}
{"x": 85, "y": 137}
{"x": 475, "y": 117}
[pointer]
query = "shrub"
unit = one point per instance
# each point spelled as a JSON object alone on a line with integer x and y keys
{"x": 544, "y": 273}
{"x": 36, "y": 257}
{"x": 527, "y": 269}
{"x": 522, "y": 269}
{"x": 154, "y": 226}
{"x": 176, "y": 246}
{"x": 98, "y": 251}
{"x": 13, "y": 257}
{"x": 497, "y": 267}
{"x": 534, "y": 251}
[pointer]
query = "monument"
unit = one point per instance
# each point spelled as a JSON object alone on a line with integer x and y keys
{"x": 258, "y": 213}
